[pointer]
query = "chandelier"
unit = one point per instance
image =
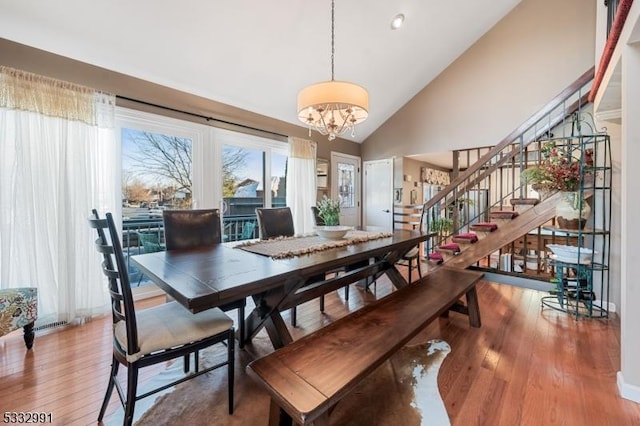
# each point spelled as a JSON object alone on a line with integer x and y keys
{"x": 333, "y": 107}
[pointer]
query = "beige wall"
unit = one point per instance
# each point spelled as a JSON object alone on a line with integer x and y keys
{"x": 521, "y": 64}
{"x": 40, "y": 62}
{"x": 410, "y": 167}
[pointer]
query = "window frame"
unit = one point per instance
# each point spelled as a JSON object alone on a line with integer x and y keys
{"x": 206, "y": 166}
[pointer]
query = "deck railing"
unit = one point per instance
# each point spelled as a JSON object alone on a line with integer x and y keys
{"x": 235, "y": 228}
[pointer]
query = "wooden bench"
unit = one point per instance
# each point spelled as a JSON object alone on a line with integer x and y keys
{"x": 309, "y": 376}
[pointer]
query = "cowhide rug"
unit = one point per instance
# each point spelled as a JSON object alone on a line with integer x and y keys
{"x": 403, "y": 391}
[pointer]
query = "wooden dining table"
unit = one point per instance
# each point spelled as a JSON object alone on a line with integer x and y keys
{"x": 208, "y": 277}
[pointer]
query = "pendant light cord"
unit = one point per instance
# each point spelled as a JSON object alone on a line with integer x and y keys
{"x": 333, "y": 35}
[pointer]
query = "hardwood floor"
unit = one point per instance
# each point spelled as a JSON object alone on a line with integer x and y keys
{"x": 522, "y": 367}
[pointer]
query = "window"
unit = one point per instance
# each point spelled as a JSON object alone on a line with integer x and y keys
{"x": 346, "y": 184}
{"x": 156, "y": 172}
{"x": 252, "y": 177}
{"x": 174, "y": 164}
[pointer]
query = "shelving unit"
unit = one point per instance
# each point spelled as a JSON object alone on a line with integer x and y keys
{"x": 582, "y": 289}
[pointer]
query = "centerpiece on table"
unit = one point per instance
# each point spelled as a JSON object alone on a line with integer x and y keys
{"x": 329, "y": 211}
{"x": 561, "y": 171}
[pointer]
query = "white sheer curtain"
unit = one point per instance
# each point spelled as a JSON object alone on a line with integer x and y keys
{"x": 57, "y": 162}
{"x": 301, "y": 183}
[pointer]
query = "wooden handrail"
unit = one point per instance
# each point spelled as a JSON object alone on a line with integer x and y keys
{"x": 544, "y": 111}
{"x": 612, "y": 41}
{"x": 572, "y": 109}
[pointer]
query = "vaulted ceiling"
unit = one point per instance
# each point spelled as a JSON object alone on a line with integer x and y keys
{"x": 257, "y": 55}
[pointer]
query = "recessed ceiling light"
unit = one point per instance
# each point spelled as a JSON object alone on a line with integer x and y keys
{"x": 397, "y": 21}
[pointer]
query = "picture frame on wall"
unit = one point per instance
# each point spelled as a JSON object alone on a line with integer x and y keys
{"x": 322, "y": 173}
{"x": 397, "y": 196}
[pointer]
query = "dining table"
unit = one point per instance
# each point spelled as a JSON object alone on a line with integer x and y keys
{"x": 207, "y": 277}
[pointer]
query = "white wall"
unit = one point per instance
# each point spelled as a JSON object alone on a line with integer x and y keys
{"x": 629, "y": 376}
{"x": 618, "y": 100}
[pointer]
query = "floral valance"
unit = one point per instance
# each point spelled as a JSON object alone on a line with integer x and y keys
{"x": 435, "y": 177}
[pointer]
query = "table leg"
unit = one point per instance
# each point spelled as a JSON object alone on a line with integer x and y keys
{"x": 396, "y": 277}
{"x": 474, "y": 308}
{"x": 272, "y": 321}
{"x": 267, "y": 314}
{"x": 277, "y": 330}
{"x": 277, "y": 416}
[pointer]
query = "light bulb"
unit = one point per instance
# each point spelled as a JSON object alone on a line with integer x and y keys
{"x": 397, "y": 21}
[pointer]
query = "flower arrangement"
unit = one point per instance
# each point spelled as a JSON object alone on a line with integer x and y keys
{"x": 559, "y": 170}
{"x": 329, "y": 211}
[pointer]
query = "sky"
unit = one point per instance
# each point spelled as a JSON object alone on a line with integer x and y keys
{"x": 251, "y": 170}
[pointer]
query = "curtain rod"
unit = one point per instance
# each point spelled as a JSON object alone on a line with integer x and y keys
{"x": 217, "y": 120}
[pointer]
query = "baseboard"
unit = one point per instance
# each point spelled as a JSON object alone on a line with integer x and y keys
{"x": 519, "y": 281}
{"x": 146, "y": 291}
{"x": 537, "y": 285}
{"x": 609, "y": 306}
{"x": 627, "y": 391}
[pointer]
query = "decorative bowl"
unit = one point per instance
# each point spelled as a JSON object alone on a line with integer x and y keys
{"x": 332, "y": 232}
{"x": 571, "y": 254}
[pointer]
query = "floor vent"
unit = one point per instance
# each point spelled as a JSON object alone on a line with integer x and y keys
{"x": 50, "y": 325}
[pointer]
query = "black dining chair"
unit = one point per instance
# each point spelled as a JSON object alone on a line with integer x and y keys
{"x": 317, "y": 219}
{"x": 275, "y": 222}
{"x": 186, "y": 229}
{"x": 142, "y": 338}
{"x": 411, "y": 260}
{"x": 278, "y": 222}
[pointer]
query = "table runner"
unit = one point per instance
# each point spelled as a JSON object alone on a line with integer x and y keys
{"x": 285, "y": 247}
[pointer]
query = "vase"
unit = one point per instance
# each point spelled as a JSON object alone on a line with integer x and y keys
{"x": 569, "y": 214}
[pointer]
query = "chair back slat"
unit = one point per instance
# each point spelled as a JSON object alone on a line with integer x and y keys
{"x": 115, "y": 269}
{"x": 102, "y": 248}
{"x": 110, "y": 273}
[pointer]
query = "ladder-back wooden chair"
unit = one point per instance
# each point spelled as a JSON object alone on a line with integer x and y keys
{"x": 146, "y": 337}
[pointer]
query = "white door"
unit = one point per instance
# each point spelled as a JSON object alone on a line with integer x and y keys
{"x": 345, "y": 186}
{"x": 378, "y": 195}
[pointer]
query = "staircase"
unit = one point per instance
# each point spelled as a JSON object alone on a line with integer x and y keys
{"x": 510, "y": 214}
{"x": 507, "y": 231}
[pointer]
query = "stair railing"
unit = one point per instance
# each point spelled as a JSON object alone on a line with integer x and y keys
{"x": 496, "y": 173}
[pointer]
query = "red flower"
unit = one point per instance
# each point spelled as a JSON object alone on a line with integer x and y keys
{"x": 559, "y": 170}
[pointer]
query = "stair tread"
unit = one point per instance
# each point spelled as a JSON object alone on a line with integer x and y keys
{"x": 450, "y": 247}
{"x": 484, "y": 226}
{"x": 507, "y": 231}
{"x": 509, "y": 214}
{"x": 525, "y": 201}
{"x": 436, "y": 257}
{"x": 467, "y": 237}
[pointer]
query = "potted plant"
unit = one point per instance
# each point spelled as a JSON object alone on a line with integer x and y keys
{"x": 443, "y": 227}
{"x": 329, "y": 211}
{"x": 560, "y": 171}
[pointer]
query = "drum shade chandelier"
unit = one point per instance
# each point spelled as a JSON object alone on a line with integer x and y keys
{"x": 333, "y": 107}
